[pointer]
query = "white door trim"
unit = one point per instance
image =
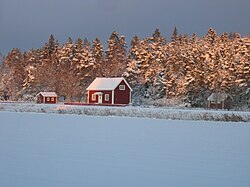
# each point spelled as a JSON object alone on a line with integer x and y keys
{"x": 100, "y": 99}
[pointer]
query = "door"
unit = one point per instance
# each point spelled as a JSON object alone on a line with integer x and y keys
{"x": 99, "y": 99}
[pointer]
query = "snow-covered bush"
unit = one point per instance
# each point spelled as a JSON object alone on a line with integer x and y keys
{"x": 28, "y": 98}
{"x": 150, "y": 112}
{"x": 164, "y": 102}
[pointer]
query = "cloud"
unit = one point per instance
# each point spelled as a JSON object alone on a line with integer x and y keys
{"x": 24, "y": 22}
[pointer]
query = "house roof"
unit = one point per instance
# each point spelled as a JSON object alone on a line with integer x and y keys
{"x": 47, "y": 94}
{"x": 106, "y": 83}
{"x": 217, "y": 97}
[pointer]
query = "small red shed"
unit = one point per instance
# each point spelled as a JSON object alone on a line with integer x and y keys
{"x": 109, "y": 91}
{"x": 47, "y": 97}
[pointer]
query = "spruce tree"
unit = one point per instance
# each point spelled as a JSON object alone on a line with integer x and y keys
{"x": 98, "y": 56}
{"x": 116, "y": 57}
{"x": 174, "y": 36}
{"x": 14, "y": 74}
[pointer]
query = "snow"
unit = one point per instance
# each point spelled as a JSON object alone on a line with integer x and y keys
{"x": 73, "y": 150}
{"x": 130, "y": 111}
{"x": 106, "y": 83}
{"x": 48, "y": 94}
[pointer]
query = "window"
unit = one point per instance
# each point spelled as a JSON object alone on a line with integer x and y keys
{"x": 122, "y": 87}
{"x": 106, "y": 97}
{"x": 52, "y": 99}
{"x": 93, "y": 97}
{"x": 47, "y": 98}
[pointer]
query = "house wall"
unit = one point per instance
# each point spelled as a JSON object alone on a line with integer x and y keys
{"x": 215, "y": 105}
{"x": 122, "y": 96}
{"x": 50, "y": 100}
{"x": 222, "y": 105}
{"x": 91, "y": 92}
{"x": 40, "y": 99}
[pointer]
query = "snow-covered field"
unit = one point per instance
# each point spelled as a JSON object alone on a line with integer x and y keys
{"x": 130, "y": 111}
{"x": 77, "y": 150}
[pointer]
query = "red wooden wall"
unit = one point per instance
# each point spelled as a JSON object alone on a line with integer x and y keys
{"x": 91, "y": 92}
{"x": 40, "y": 99}
{"x": 122, "y": 96}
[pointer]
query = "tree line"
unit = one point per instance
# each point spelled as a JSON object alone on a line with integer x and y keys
{"x": 187, "y": 68}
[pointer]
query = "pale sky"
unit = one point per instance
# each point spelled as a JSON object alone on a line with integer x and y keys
{"x": 28, "y": 24}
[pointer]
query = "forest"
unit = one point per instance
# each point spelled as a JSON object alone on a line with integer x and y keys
{"x": 182, "y": 70}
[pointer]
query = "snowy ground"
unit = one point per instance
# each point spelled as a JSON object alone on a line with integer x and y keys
{"x": 156, "y": 113}
{"x": 73, "y": 150}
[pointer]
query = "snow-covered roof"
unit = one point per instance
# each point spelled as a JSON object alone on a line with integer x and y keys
{"x": 48, "y": 94}
{"x": 217, "y": 97}
{"x": 106, "y": 83}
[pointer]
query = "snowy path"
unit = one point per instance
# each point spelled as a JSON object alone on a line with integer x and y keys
{"x": 70, "y": 150}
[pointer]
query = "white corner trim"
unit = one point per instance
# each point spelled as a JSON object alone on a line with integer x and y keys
{"x": 88, "y": 98}
{"x": 113, "y": 96}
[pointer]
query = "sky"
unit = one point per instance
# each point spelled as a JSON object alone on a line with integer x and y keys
{"x": 27, "y": 24}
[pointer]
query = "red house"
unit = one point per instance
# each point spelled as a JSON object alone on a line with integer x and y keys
{"x": 47, "y": 97}
{"x": 109, "y": 91}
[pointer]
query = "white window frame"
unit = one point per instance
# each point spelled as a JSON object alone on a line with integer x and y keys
{"x": 52, "y": 99}
{"x": 106, "y": 97}
{"x": 93, "y": 97}
{"x": 48, "y": 99}
{"x": 121, "y": 87}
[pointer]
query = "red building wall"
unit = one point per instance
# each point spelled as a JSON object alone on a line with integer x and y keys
{"x": 221, "y": 105}
{"x": 91, "y": 92}
{"x": 40, "y": 99}
{"x": 122, "y": 96}
{"x": 50, "y": 100}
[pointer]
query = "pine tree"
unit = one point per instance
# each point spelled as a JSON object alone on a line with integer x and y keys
{"x": 30, "y": 83}
{"x": 14, "y": 74}
{"x": 174, "y": 37}
{"x": 190, "y": 68}
{"x": 211, "y": 36}
{"x": 47, "y": 69}
{"x": 70, "y": 56}
{"x": 116, "y": 58}
{"x": 86, "y": 43}
{"x": 132, "y": 72}
{"x": 98, "y": 56}
{"x": 193, "y": 38}
{"x": 49, "y": 47}
{"x": 157, "y": 37}
{"x": 87, "y": 67}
